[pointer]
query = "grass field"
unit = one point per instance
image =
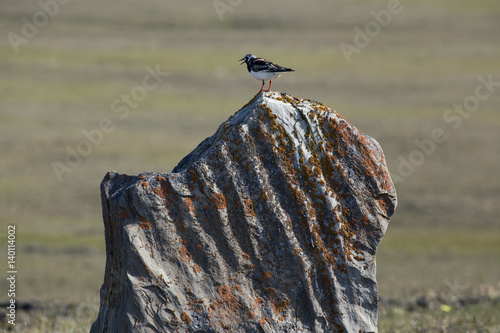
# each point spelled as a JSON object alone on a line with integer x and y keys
{"x": 438, "y": 265}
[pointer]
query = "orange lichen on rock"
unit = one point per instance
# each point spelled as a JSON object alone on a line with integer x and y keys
{"x": 186, "y": 318}
{"x": 194, "y": 176}
{"x": 159, "y": 192}
{"x": 123, "y": 214}
{"x": 146, "y": 225}
{"x": 189, "y": 204}
{"x": 228, "y": 307}
{"x": 249, "y": 208}
{"x": 185, "y": 255}
{"x": 266, "y": 276}
{"x": 219, "y": 200}
{"x": 197, "y": 268}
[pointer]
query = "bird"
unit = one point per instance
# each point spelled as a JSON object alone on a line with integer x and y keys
{"x": 263, "y": 69}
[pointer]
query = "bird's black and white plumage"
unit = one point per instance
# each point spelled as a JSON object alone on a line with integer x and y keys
{"x": 263, "y": 69}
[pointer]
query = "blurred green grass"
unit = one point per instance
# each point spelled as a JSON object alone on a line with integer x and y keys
{"x": 65, "y": 79}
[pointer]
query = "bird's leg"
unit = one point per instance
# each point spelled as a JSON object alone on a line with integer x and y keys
{"x": 262, "y": 87}
{"x": 270, "y": 82}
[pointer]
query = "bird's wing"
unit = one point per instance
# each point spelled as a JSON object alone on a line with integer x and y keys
{"x": 262, "y": 65}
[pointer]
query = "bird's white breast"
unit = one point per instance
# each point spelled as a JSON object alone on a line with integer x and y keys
{"x": 264, "y": 75}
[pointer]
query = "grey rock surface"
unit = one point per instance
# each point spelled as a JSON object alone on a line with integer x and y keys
{"x": 269, "y": 225}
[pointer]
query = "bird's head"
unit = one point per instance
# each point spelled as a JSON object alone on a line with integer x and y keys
{"x": 246, "y": 58}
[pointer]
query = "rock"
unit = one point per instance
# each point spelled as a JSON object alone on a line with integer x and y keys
{"x": 269, "y": 225}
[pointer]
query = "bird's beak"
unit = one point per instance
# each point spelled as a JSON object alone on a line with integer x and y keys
{"x": 242, "y": 59}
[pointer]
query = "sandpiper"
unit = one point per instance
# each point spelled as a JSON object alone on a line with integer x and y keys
{"x": 263, "y": 69}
